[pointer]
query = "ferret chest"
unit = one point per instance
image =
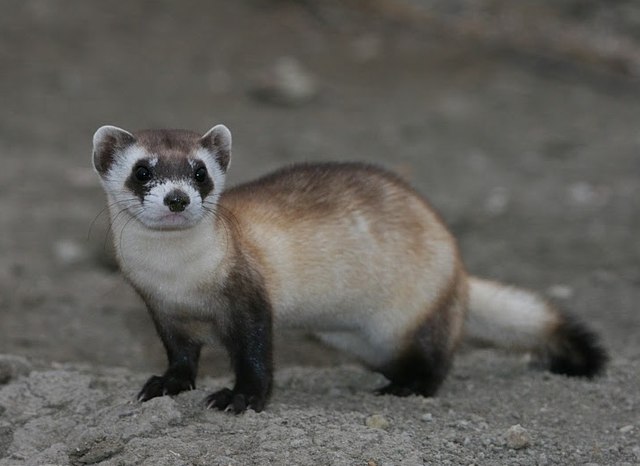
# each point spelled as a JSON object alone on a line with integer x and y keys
{"x": 176, "y": 270}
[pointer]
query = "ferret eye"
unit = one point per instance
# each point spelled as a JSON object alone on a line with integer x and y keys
{"x": 142, "y": 174}
{"x": 200, "y": 174}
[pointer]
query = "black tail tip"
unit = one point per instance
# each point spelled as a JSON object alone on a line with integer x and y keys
{"x": 576, "y": 350}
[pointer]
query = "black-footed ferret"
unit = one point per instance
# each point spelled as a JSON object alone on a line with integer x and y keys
{"x": 347, "y": 251}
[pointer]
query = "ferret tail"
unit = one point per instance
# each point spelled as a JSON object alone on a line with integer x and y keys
{"x": 516, "y": 319}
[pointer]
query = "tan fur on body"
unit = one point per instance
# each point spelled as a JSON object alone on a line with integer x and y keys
{"x": 348, "y": 251}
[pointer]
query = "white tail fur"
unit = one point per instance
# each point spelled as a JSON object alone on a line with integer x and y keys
{"x": 517, "y": 319}
{"x": 508, "y": 317}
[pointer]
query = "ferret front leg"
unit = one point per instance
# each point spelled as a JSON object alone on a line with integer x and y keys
{"x": 250, "y": 349}
{"x": 249, "y": 342}
{"x": 183, "y": 355}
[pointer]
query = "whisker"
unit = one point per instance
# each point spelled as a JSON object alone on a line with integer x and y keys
{"x": 134, "y": 216}
{"x": 224, "y": 224}
{"x": 110, "y": 230}
{"x": 225, "y": 218}
{"x": 105, "y": 209}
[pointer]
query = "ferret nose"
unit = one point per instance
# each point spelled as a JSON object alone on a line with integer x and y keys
{"x": 176, "y": 200}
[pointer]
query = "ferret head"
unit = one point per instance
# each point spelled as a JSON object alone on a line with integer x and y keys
{"x": 166, "y": 179}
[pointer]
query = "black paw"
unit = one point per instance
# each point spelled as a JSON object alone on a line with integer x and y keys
{"x": 229, "y": 400}
{"x": 164, "y": 385}
{"x": 395, "y": 390}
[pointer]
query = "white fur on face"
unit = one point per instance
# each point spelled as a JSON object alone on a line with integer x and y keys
{"x": 151, "y": 211}
{"x": 155, "y": 214}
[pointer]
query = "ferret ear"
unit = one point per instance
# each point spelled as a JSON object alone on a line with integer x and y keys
{"x": 107, "y": 142}
{"x": 218, "y": 141}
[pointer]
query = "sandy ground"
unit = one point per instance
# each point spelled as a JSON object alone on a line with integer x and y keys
{"x": 532, "y": 160}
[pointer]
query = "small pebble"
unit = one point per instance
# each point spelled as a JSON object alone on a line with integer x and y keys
{"x": 517, "y": 437}
{"x": 377, "y": 421}
{"x": 286, "y": 84}
{"x": 68, "y": 252}
{"x": 582, "y": 193}
{"x": 498, "y": 201}
{"x": 560, "y": 291}
{"x": 12, "y": 367}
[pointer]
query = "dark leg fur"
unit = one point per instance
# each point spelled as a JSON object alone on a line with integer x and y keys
{"x": 251, "y": 360}
{"x": 249, "y": 342}
{"x": 424, "y": 364}
{"x": 575, "y": 350}
{"x": 183, "y": 358}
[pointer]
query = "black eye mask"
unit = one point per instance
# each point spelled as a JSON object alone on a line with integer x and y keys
{"x": 146, "y": 175}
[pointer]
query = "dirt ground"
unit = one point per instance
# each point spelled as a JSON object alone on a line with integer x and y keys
{"x": 531, "y": 154}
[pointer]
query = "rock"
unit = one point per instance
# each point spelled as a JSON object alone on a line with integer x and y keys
{"x": 6, "y": 437}
{"x": 286, "y": 84}
{"x": 560, "y": 291}
{"x": 427, "y": 417}
{"x": 517, "y": 437}
{"x": 497, "y": 202}
{"x": 12, "y": 367}
{"x": 581, "y": 193}
{"x": 69, "y": 252}
{"x": 54, "y": 455}
{"x": 377, "y": 421}
{"x": 97, "y": 451}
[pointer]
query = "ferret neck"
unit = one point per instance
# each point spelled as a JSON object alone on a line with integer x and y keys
{"x": 206, "y": 243}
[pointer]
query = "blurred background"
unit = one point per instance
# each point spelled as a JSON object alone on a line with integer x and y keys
{"x": 518, "y": 120}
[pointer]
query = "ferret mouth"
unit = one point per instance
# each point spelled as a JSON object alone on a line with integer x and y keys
{"x": 173, "y": 221}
